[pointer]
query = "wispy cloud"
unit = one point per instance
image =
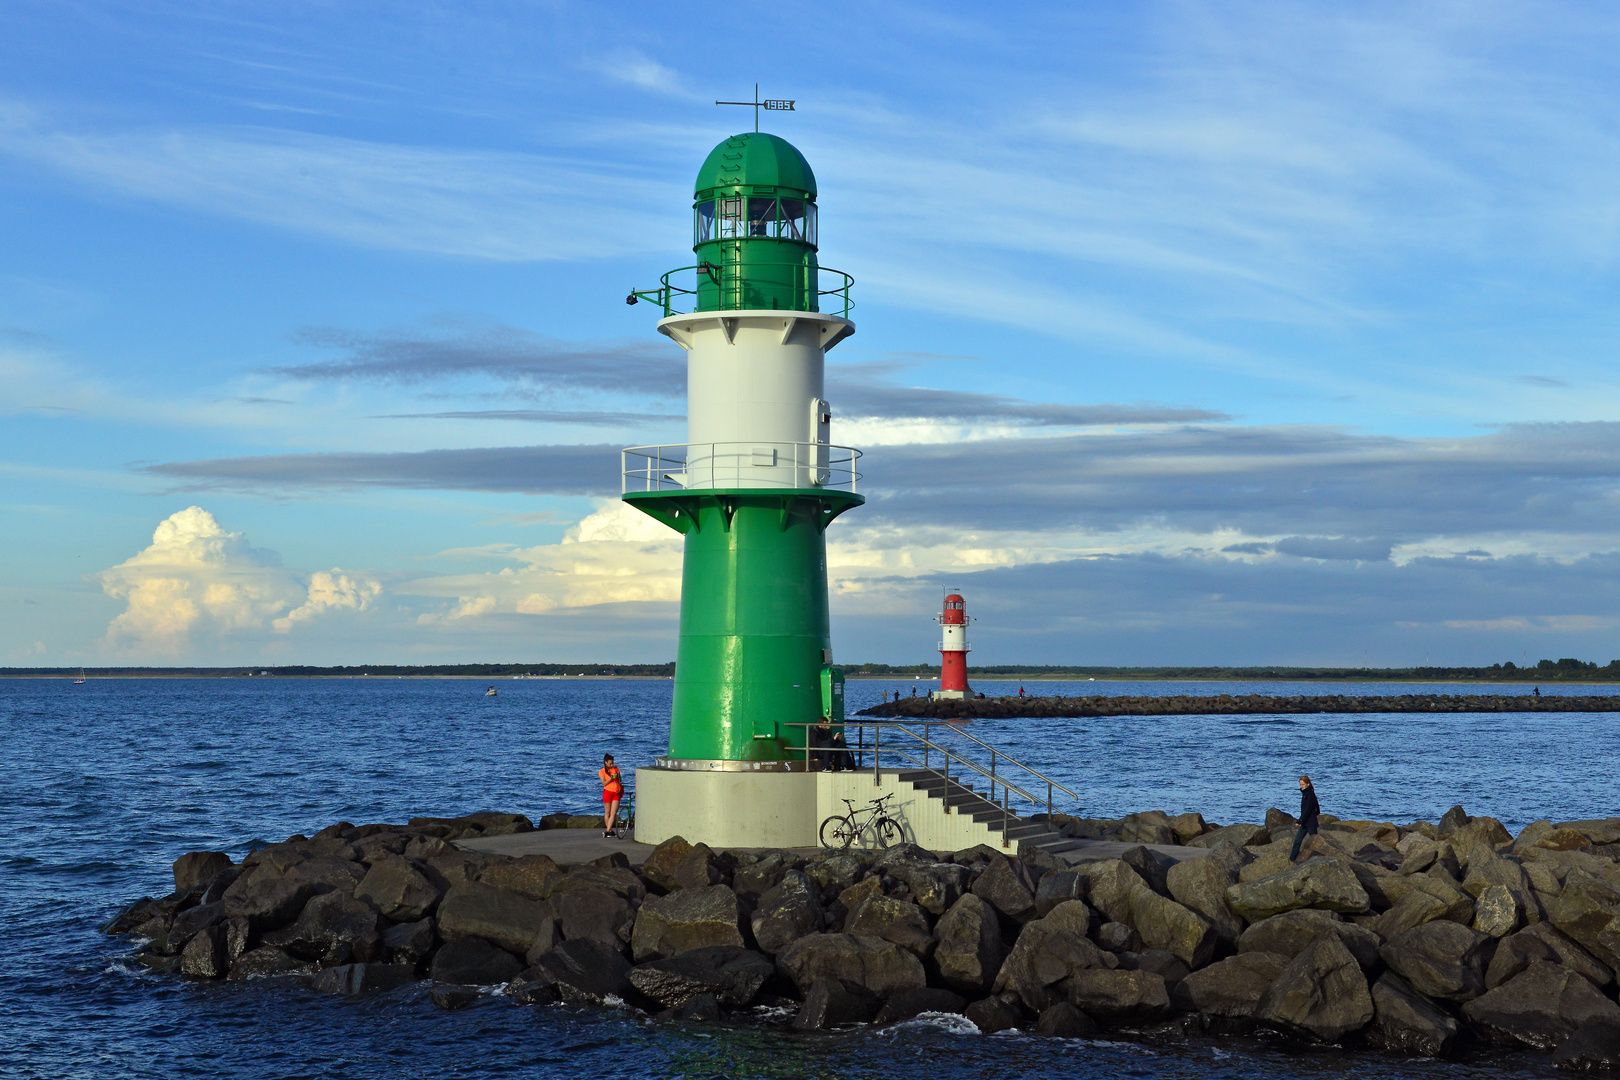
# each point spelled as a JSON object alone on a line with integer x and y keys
{"x": 495, "y": 205}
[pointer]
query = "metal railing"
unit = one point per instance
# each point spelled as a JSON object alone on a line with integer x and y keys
{"x": 697, "y": 466}
{"x": 733, "y": 285}
{"x": 921, "y": 750}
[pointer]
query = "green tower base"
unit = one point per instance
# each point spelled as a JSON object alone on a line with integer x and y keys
{"x": 754, "y": 629}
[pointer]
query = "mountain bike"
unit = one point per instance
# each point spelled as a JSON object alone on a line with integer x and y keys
{"x": 841, "y": 830}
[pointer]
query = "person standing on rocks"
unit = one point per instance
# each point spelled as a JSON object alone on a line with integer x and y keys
{"x": 612, "y": 792}
{"x": 1309, "y": 809}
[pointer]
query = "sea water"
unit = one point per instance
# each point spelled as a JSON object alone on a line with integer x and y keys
{"x": 104, "y": 784}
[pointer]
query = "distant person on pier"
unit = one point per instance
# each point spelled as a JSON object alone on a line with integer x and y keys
{"x": 1020, "y": 691}
{"x": 1309, "y": 810}
{"x": 1536, "y": 691}
{"x": 913, "y": 691}
{"x": 612, "y": 792}
{"x": 885, "y": 697}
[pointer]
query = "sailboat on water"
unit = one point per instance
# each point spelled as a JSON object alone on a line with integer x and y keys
{"x": 80, "y": 680}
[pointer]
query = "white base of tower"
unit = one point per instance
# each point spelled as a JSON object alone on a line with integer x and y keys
{"x": 951, "y": 694}
{"x": 785, "y": 809}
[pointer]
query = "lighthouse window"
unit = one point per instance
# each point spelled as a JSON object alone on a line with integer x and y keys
{"x": 731, "y": 218}
{"x": 703, "y": 224}
{"x": 761, "y": 217}
{"x": 792, "y": 219}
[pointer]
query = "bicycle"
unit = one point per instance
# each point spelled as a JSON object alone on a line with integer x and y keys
{"x": 841, "y": 830}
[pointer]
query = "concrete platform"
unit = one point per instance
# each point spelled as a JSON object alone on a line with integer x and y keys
{"x": 570, "y": 847}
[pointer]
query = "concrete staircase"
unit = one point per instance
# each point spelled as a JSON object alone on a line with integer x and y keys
{"x": 1020, "y": 833}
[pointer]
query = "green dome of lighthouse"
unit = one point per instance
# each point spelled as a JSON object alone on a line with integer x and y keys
{"x": 756, "y": 159}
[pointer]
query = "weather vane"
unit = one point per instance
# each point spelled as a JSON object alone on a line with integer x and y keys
{"x": 769, "y": 103}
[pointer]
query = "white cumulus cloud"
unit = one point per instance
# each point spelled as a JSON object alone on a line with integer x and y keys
{"x": 196, "y": 584}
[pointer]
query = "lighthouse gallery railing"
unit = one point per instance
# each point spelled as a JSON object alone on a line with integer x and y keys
{"x": 697, "y": 466}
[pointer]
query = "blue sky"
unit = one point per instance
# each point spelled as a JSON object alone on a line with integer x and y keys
{"x": 1186, "y": 333}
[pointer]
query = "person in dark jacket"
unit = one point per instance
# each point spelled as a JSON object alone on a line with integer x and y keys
{"x": 1309, "y": 809}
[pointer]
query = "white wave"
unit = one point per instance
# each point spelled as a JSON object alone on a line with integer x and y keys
{"x": 950, "y": 1023}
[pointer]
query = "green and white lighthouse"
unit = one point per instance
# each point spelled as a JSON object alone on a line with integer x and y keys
{"x": 752, "y": 490}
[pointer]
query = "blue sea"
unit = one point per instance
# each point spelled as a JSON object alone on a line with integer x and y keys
{"x": 106, "y": 783}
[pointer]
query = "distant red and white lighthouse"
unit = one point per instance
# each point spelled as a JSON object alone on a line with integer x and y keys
{"x": 953, "y": 648}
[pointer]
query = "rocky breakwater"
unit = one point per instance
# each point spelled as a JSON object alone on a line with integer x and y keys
{"x": 924, "y": 708}
{"x": 1422, "y": 938}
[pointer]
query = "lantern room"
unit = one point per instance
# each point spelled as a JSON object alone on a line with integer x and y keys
{"x": 754, "y": 227}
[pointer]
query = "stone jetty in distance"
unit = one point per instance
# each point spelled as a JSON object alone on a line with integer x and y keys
{"x": 1441, "y": 939}
{"x": 969, "y": 708}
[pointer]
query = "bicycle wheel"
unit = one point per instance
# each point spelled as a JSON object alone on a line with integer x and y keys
{"x": 887, "y": 831}
{"x": 836, "y": 833}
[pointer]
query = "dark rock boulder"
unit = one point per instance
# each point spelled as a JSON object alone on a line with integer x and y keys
{"x": 1057, "y": 887}
{"x": 1168, "y": 966}
{"x": 1045, "y": 955}
{"x": 994, "y": 1014}
{"x": 473, "y": 961}
{"x": 1288, "y": 934}
{"x": 1118, "y": 937}
{"x": 267, "y": 961}
{"x": 1328, "y": 884}
{"x": 619, "y": 880}
{"x": 1595, "y": 1045}
{"x": 586, "y": 971}
{"x": 676, "y": 864}
{"x": 531, "y": 987}
{"x": 506, "y": 919}
{"x": 1405, "y": 1021}
{"x": 266, "y": 901}
{"x": 1414, "y": 909}
{"x": 196, "y": 868}
{"x": 355, "y": 979}
{"x": 893, "y": 920}
{"x": 969, "y": 952}
{"x": 731, "y": 973}
{"x": 453, "y": 996}
{"x": 1588, "y": 911}
{"x": 753, "y": 881}
{"x": 877, "y": 967}
{"x": 1441, "y": 959}
{"x": 1540, "y": 1007}
{"x": 909, "y": 1004}
{"x": 1452, "y": 820}
{"x": 829, "y": 1003}
{"x": 410, "y": 943}
{"x": 531, "y": 875}
{"x": 1118, "y": 996}
{"x": 1230, "y": 988}
{"x": 189, "y": 922}
{"x": 204, "y": 955}
{"x": 1571, "y": 955}
{"x": 835, "y": 874}
{"x": 786, "y": 912}
{"x": 1110, "y": 883}
{"x": 934, "y": 886}
{"x": 1200, "y": 885}
{"x": 1006, "y": 886}
{"x": 328, "y": 873}
{"x": 1321, "y": 994}
{"x": 689, "y": 918}
{"x": 1064, "y": 1021}
{"x": 593, "y": 911}
{"x": 398, "y": 890}
{"x": 1165, "y": 924}
{"x": 1153, "y": 867}
{"x": 333, "y": 928}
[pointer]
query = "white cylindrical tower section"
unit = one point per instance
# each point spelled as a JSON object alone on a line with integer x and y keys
{"x": 756, "y": 408}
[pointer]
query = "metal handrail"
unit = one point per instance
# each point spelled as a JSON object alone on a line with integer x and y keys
{"x": 664, "y": 296}
{"x": 661, "y": 468}
{"x": 927, "y": 745}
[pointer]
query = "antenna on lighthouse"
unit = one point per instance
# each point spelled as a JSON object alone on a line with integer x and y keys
{"x": 777, "y": 104}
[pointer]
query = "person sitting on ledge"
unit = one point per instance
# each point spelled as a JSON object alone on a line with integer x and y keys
{"x": 1308, "y": 811}
{"x": 842, "y": 759}
{"x": 820, "y": 737}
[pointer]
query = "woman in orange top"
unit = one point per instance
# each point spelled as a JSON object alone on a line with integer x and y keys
{"x": 612, "y": 791}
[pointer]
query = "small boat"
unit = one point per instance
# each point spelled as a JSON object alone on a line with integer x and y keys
{"x": 490, "y": 692}
{"x": 80, "y": 680}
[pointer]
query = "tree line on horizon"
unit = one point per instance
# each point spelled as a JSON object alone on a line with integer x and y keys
{"x": 1566, "y": 668}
